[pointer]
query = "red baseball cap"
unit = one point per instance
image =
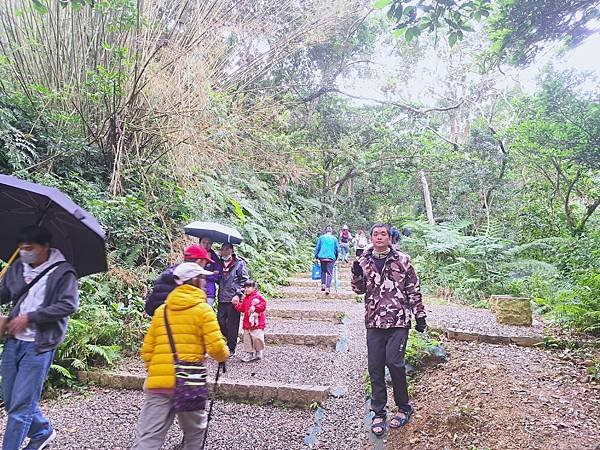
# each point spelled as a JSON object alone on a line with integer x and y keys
{"x": 197, "y": 252}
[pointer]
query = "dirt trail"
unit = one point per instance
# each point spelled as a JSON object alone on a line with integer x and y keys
{"x": 501, "y": 398}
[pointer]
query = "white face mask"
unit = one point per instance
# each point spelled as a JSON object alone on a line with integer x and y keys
{"x": 226, "y": 258}
{"x": 28, "y": 256}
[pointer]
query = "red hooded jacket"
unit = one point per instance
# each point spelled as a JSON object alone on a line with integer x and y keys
{"x": 244, "y": 307}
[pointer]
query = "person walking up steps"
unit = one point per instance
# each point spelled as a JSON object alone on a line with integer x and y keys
{"x": 213, "y": 266}
{"x": 253, "y": 306}
{"x": 360, "y": 242}
{"x": 392, "y": 294}
{"x": 194, "y": 332}
{"x": 231, "y": 290}
{"x": 165, "y": 283}
{"x": 326, "y": 252}
{"x": 345, "y": 239}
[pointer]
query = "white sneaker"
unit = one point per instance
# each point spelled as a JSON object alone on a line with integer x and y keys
{"x": 249, "y": 357}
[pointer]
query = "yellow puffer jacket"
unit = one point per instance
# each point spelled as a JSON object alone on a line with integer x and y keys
{"x": 195, "y": 332}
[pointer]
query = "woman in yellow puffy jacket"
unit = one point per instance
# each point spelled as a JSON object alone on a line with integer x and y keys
{"x": 195, "y": 333}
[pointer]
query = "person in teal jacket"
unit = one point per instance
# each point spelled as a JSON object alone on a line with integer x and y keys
{"x": 326, "y": 252}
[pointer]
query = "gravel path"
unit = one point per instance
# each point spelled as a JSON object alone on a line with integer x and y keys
{"x": 476, "y": 320}
{"x": 106, "y": 419}
{"x": 331, "y": 305}
{"x": 312, "y": 291}
{"x": 103, "y": 419}
{"x": 275, "y": 325}
{"x": 342, "y": 427}
{"x": 316, "y": 366}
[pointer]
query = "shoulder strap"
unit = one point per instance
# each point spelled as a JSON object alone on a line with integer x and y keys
{"x": 25, "y": 289}
{"x": 170, "y": 334}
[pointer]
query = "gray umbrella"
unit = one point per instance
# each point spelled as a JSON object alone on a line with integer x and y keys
{"x": 214, "y": 231}
{"x": 75, "y": 232}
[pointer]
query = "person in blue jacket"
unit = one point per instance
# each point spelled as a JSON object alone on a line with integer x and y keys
{"x": 326, "y": 252}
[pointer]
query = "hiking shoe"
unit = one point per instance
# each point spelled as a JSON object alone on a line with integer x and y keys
{"x": 39, "y": 444}
{"x": 249, "y": 357}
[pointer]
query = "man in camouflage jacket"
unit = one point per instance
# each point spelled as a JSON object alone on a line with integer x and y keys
{"x": 392, "y": 295}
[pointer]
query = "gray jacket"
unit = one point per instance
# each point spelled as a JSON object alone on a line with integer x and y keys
{"x": 61, "y": 300}
{"x": 232, "y": 281}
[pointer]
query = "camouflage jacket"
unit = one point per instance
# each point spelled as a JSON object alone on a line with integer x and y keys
{"x": 393, "y": 295}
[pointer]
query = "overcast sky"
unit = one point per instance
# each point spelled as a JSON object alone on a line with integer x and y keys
{"x": 425, "y": 74}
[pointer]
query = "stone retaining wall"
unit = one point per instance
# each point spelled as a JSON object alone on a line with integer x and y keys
{"x": 522, "y": 341}
{"x": 296, "y": 395}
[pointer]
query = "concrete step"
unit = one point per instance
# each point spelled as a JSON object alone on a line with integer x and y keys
{"x": 298, "y": 313}
{"x": 262, "y": 392}
{"x": 321, "y": 300}
{"x": 309, "y": 291}
{"x": 322, "y": 340}
{"x": 488, "y": 338}
{"x": 314, "y": 283}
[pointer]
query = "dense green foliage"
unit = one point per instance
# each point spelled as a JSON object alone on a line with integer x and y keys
{"x": 560, "y": 273}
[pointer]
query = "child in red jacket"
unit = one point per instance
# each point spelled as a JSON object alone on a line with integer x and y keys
{"x": 253, "y": 306}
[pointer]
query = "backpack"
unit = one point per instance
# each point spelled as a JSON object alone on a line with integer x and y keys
{"x": 345, "y": 236}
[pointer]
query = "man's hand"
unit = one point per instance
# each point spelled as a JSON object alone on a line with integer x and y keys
{"x": 18, "y": 324}
{"x": 421, "y": 324}
{"x": 356, "y": 269}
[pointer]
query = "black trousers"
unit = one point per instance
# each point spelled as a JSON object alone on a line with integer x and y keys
{"x": 386, "y": 347}
{"x": 229, "y": 322}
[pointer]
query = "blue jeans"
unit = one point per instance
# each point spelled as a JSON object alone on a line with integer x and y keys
{"x": 23, "y": 374}
{"x": 345, "y": 250}
{"x": 327, "y": 272}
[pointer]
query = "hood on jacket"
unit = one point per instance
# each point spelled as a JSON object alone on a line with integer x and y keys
{"x": 184, "y": 297}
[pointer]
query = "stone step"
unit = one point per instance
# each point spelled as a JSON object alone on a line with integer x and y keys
{"x": 330, "y": 315}
{"x": 320, "y": 300}
{"x": 262, "y": 392}
{"x": 314, "y": 283}
{"x": 474, "y": 336}
{"x": 327, "y": 341}
{"x": 307, "y": 292}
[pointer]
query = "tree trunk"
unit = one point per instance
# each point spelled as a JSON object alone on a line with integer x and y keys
{"x": 427, "y": 198}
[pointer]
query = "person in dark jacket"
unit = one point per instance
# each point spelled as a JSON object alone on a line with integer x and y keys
{"x": 231, "y": 290}
{"x": 165, "y": 283}
{"x": 394, "y": 235}
{"x": 215, "y": 267}
{"x": 37, "y": 323}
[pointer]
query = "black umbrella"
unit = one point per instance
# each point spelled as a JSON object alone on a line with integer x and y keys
{"x": 214, "y": 231}
{"x": 75, "y": 232}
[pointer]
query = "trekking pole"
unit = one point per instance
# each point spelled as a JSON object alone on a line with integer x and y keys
{"x": 210, "y": 407}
